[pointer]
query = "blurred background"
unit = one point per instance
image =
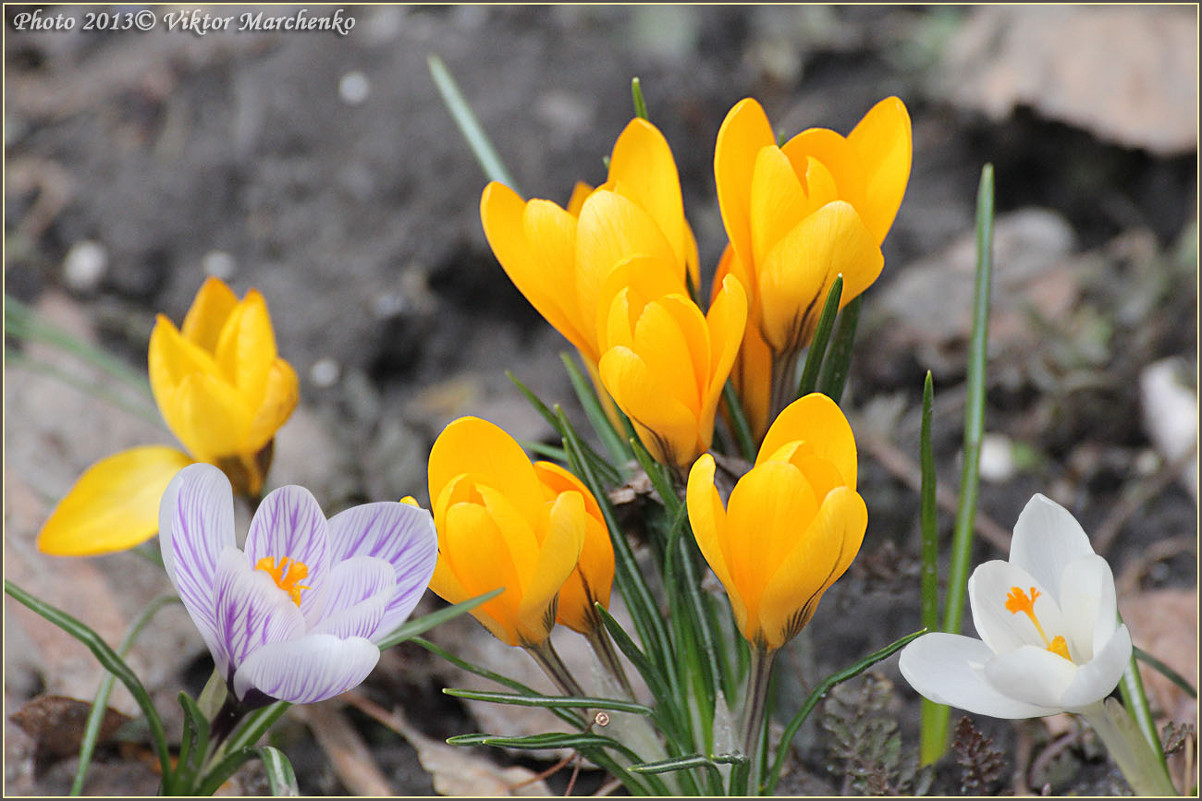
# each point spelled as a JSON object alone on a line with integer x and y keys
{"x": 326, "y": 171}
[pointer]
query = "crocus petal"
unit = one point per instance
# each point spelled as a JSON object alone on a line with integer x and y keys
{"x": 1046, "y": 538}
{"x": 246, "y": 348}
{"x": 289, "y": 523}
{"x": 196, "y": 524}
{"x": 882, "y": 139}
{"x": 1031, "y": 674}
{"x": 477, "y": 555}
{"x": 778, "y": 201}
{"x": 281, "y": 393}
{"x": 839, "y": 161}
{"x": 818, "y": 421}
{"x": 1088, "y": 602}
{"x": 398, "y": 533}
{"x": 1096, "y": 679}
{"x": 707, "y": 517}
{"x": 307, "y": 670}
{"x": 472, "y": 445}
{"x": 357, "y": 591}
{"x": 642, "y": 165}
{"x": 744, "y": 131}
{"x": 988, "y": 588}
{"x": 557, "y": 559}
{"x": 114, "y": 505}
{"x": 170, "y": 357}
{"x": 251, "y": 611}
{"x": 948, "y": 669}
{"x": 209, "y": 416}
{"x": 210, "y": 309}
{"x": 667, "y": 427}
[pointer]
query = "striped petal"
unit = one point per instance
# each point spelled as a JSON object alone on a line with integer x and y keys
{"x": 196, "y": 524}
{"x": 114, "y": 505}
{"x": 307, "y": 670}
{"x": 398, "y": 533}
{"x": 289, "y": 523}
{"x": 357, "y": 593}
{"x": 251, "y": 611}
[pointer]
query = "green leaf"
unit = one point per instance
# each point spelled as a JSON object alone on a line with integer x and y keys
{"x": 539, "y": 742}
{"x": 193, "y": 747}
{"x": 411, "y": 628}
{"x": 738, "y": 419}
{"x": 1166, "y": 671}
{"x": 838, "y": 357}
{"x": 280, "y": 775}
{"x": 820, "y": 691}
{"x": 593, "y": 409}
{"x": 91, "y": 731}
{"x": 640, "y": 103}
{"x": 469, "y": 126}
{"x": 611, "y": 474}
{"x": 111, "y": 662}
{"x": 552, "y": 702}
{"x": 221, "y": 772}
{"x": 252, "y": 727}
{"x": 822, "y": 335}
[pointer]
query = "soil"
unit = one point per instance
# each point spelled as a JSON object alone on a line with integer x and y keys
{"x": 326, "y": 171}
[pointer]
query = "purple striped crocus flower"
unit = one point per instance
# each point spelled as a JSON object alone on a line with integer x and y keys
{"x": 294, "y": 615}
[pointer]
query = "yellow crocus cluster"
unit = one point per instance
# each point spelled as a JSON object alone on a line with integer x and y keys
{"x": 224, "y": 392}
{"x": 533, "y": 529}
{"x": 793, "y": 523}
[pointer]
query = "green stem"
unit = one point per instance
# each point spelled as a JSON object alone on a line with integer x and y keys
{"x": 547, "y": 657}
{"x": 754, "y": 705}
{"x": 607, "y": 655}
{"x": 1142, "y": 769}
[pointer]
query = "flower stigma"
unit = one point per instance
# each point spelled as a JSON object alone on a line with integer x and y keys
{"x": 1018, "y": 601}
{"x": 287, "y": 577}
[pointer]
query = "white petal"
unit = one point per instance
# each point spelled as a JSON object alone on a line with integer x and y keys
{"x": 289, "y": 523}
{"x": 196, "y": 521}
{"x": 1088, "y": 604}
{"x": 1046, "y": 538}
{"x": 1097, "y": 679}
{"x": 1002, "y": 630}
{"x": 947, "y": 668}
{"x": 307, "y": 670}
{"x": 1034, "y": 675}
{"x": 403, "y": 535}
{"x": 357, "y": 592}
{"x": 251, "y": 610}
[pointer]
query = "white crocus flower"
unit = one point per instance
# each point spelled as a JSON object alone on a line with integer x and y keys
{"x": 1050, "y": 637}
{"x": 1050, "y": 641}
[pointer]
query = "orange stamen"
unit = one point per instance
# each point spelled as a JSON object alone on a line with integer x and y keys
{"x": 1018, "y": 601}
{"x": 287, "y": 577}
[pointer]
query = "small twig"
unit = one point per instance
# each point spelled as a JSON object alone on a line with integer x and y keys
{"x": 608, "y": 787}
{"x": 1133, "y": 501}
{"x": 903, "y": 467}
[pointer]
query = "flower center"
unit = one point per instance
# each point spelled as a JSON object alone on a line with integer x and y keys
{"x": 287, "y": 577}
{"x": 1018, "y": 601}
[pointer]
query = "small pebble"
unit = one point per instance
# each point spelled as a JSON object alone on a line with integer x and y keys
{"x": 997, "y": 458}
{"x": 84, "y": 266}
{"x": 219, "y": 264}
{"x": 354, "y": 88}
{"x": 325, "y": 372}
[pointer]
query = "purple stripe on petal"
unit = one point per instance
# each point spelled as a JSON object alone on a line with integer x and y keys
{"x": 307, "y": 670}
{"x": 404, "y": 535}
{"x": 360, "y": 620}
{"x": 196, "y": 521}
{"x": 357, "y": 579}
{"x": 289, "y": 523}
{"x": 251, "y": 611}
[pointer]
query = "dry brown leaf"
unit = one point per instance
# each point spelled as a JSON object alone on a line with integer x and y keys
{"x": 1126, "y": 73}
{"x": 1165, "y": 624}
{"x": 56, "y": 724}
{"x": 349, "y": 756}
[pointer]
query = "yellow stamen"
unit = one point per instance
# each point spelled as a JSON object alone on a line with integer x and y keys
{"x": 1018, "y": 601}
{"x": 289, "y": 583}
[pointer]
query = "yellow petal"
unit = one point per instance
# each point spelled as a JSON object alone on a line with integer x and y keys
{"x": 794, "y": 279}
{"x": 246, "y": 349}
{"x": 534, "y": 243}
{"x": 707, "y": 518}
{"x": 818, "y": 421}
{"x": 560, "y": 551}
{"x": 643, "y": 167}
{"x": 521, "y": 539}
{"x": 170, "y": 357}
{"x": 667, "y": 427}
{"x": 821, "y": 555}
{"x": 671, "y": 338}
{"x": 744, "y": 131}
{"x": 725, "y": 322}
{"x": 114, "y": 505}
{"x": 472, "y": 445}
{"x": 752, "y": 370}
{"x": 778, "y": 201}
{"x": 841, "y": 160}
{"x": 213, "y": 305}
{"x": 644, "y": 280}
{"x": 281, "y": 393}
{"x": 883, "y": 141}
{"x": 210, "y": 418}
{"x": 580, "y": 193}
{"x": 478, "y": 555}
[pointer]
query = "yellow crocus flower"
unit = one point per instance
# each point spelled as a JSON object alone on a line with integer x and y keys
{"x": 223, "y": 391}
{"x": 803, "y": 213}
{"x": 499, "y": 525}
{"x": 792, "y": 526}
{"x": 665, "y": 364}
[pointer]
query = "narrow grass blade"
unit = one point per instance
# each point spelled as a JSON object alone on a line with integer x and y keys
{"x": 640, "y": 103}
{"x": 280, "y": 775}
{"x": 194, "y": 744}
{"x": 935, "y": 726}
{"x": 224, "y": 768}
{"x": 610, "y": 474}
{"x": 930, "y": 540}
{"x": 594, "y": 411}
{"x": 738, "y": 420}
{"x": 838, "y": 358}
{"x": 569, "y": 717}
{"x": 411, "y": 628}
{"x": 540, "y": 742}
{"x": 145, "y": 411}
{"x": 822, "y": 335}
{"x": 1135, "y": 701}
{"x": 552, "y": 702}
{"x": 109, "y": 659}
{"x": 469, "y": 126}
{"x": 667, "y": 714}
{"x": 1166, "y": 671}
{"x": 820, "y": 692}
{"x": 682, "y": 763}
{"x": 254, "y": 726}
